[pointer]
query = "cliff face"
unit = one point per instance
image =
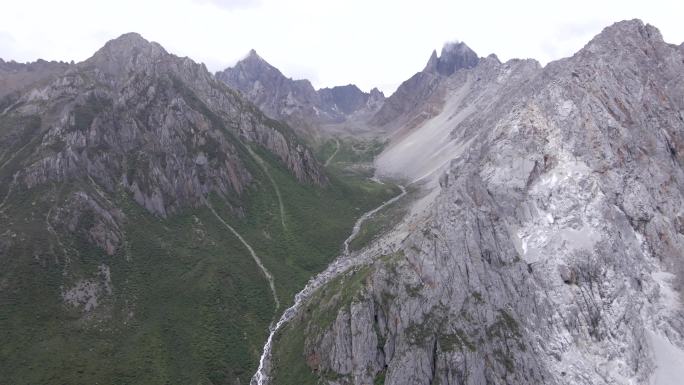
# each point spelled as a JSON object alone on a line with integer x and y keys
{"x": 552, "y": 249}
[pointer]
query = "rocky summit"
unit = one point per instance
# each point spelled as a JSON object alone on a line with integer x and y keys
{"x": 488, "y": 223}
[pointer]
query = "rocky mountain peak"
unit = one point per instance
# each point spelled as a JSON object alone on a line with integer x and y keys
{"x": 129, "y": 43}
{"x": 625, "y": 36}
{"x": 412, "y": 93}
{"x": 633, "y": 28}
{"x": 454, "y": 56}
{"x": 128, "y": 51}
{"x": 255, "y": 66}
{"x": 375, "y": 93}
{"x": 253, "y": 55}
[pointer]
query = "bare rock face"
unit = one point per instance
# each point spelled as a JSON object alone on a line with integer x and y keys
{"x": 553, "y": 251}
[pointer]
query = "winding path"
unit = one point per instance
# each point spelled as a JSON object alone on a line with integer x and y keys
{"x": 269, "y": 276}
{"x": 337, "y": 143}
{"x": 338, "y": 266}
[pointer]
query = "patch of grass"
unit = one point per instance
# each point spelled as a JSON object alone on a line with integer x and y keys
{"x": 380, "y": 223}
{"x": 354, "y": 157}
{"x": 380, "y": 378}
{"x": 289, "y": 363}
{"x": 457, "y": 340}
{"x": 357, "y": 151}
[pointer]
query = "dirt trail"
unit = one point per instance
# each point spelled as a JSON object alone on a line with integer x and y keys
{"x": 269, "y": 277}
{"x": 337, "y": 143}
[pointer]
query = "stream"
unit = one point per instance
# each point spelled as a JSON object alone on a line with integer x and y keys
{"x": 343, "y": 263}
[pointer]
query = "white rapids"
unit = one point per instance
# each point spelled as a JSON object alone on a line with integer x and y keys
{"x": 340, "y": 265}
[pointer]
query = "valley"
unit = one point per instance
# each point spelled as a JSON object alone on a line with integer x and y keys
{"x": 489, "y": 222}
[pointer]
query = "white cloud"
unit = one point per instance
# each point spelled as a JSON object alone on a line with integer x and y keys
{"x": 370, "y": 43}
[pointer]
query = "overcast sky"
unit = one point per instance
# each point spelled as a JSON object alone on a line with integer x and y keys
{"x": 366, "y": 42}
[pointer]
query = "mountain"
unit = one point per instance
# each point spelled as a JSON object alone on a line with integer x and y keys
{"x": 402, "y": 106}
{"x": 349, "y": 99}
{"x": 276, "y": 95}
{"x": 545, "y": 246}
{"x": 153, "y": 221}
{"x": 428, "y": 128}
{"x": 296, "y": 101}
{"x": 454, "y": 56}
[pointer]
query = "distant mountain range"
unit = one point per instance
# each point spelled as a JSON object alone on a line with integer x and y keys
{"x": 296, "y": 101}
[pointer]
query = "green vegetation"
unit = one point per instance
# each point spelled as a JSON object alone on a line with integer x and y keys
{"x": 318, "y": 220}
{"x": 189, "y": 305}
{"x": 457, "y": 340}
{"x": 289, "y": 362}
{"x": 356, "y": 150}
{"x": 354, "y": 156}
{"x": 380, "y": 378}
